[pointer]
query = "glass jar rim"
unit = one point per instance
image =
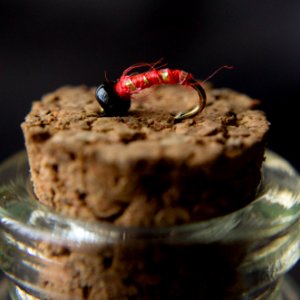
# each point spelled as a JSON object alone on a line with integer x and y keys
{"x": 276, "y": 206}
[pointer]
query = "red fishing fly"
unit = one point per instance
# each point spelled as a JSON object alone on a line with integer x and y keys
{"x": 114, "y": 97}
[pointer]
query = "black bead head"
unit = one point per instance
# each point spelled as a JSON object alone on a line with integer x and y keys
{"x": 109, "y": 100}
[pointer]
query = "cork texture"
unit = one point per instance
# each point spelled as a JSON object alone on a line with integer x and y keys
{"x": 143, "y": 169}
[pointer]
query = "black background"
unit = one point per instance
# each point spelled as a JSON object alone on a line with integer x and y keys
{"x": 47, "y": 44}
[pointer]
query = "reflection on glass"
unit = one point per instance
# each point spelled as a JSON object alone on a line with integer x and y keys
{"x": 242, "y": 255}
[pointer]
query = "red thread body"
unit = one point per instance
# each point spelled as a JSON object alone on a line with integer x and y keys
{"x": 131, "y": 84}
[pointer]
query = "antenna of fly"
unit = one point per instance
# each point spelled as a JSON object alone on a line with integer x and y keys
{"x": 152, "y": 66}
{"x": 200, "y": 82}
{"x": 227, "y": 67}
{"x": 106, "y": 76}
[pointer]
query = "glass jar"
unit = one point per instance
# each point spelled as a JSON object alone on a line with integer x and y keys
{"x": 242, "y": 255}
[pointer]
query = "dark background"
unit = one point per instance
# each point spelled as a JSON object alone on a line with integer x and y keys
{"x": 47, "y": 44}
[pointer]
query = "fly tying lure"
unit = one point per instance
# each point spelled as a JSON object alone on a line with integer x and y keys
{"x": 115, "y": 97}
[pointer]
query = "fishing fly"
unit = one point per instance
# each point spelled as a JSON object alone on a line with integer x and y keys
{"x": 115, "y": 97}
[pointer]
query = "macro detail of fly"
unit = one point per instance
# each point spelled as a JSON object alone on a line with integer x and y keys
{"x": 115, "y": 97}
